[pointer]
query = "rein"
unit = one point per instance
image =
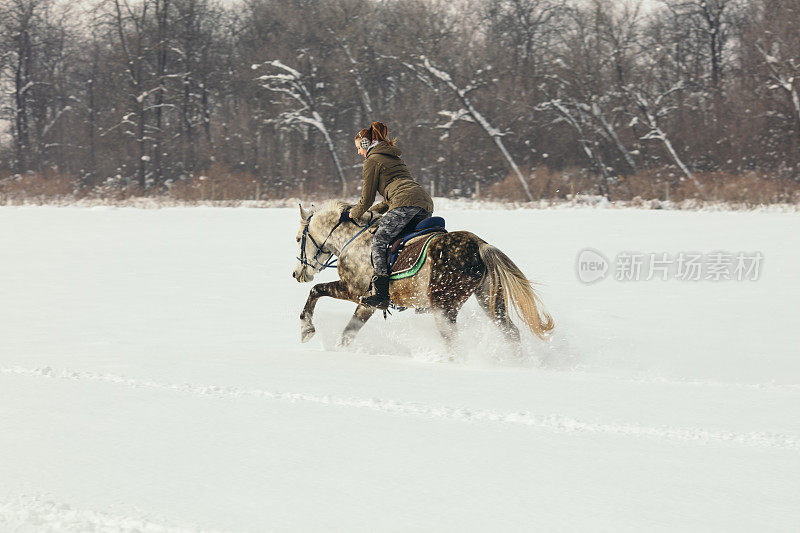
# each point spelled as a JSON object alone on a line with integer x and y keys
{"x": 331, "y": 261}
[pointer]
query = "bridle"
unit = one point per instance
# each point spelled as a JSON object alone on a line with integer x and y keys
{"x": 331, "y": 261}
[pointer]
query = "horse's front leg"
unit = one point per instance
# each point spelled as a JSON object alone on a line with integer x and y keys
{"x": 334, "y": 289}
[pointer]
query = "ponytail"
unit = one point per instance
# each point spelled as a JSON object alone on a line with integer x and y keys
{"x": 377, "y": 132}
{"x": 380, "y": 132}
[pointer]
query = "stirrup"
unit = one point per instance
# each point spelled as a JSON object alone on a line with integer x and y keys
{"x": 382, "y": 304}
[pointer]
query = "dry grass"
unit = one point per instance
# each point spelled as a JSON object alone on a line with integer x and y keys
{"x": 35, "y": 188}
{"x": 221, "y": 185}
{"x": 750, "y": 187}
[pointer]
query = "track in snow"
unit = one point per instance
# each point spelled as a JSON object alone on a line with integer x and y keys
{"x": 44, "y": 514}
{"x": 552, "y": 422}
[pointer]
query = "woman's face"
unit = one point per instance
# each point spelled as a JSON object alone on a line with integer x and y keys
{"x": 361, "y": 151}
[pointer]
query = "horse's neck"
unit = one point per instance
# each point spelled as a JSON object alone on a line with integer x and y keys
{"x": 342, "y": 235}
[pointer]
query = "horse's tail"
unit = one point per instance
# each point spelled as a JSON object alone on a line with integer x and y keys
{"x": 517, "y": 289}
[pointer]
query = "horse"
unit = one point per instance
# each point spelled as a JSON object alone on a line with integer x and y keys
{"x": 458, "y": 264}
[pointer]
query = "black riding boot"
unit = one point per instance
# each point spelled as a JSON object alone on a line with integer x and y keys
{"x": 380, "y": 296}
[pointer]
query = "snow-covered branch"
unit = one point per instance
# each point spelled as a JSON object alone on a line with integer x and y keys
{"x": 785, "y": 81}
{"x": 650, "y": 111}
{"x": 578, "y": 116}
{"x": 292, "y": 83}
{"x": 453, "y": 116}
{"x": 469, "y": 108}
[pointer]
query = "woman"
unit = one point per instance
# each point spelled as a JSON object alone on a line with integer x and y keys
{"x": 405, "y": 203}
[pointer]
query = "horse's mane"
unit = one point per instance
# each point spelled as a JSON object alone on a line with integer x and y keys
{"x": 335, "y": 207}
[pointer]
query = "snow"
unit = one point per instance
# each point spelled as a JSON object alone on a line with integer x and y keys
{"x": 151, "y": 379}
{"x": 442, "y": 75}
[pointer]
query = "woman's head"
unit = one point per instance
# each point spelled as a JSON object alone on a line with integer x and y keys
{"x": 368, "y": 137}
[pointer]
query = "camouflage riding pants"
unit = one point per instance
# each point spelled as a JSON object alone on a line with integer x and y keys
{"x": 389, "y": 227}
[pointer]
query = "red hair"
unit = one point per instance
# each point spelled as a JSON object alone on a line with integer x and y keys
{"x": 377, "y": 131}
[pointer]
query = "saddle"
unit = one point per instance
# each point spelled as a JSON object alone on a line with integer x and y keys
{"x": 409, "y": 251}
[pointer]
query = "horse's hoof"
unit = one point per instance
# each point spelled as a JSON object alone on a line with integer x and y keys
{"x": 306, "y": 333}
{"x": 345, "y": 340}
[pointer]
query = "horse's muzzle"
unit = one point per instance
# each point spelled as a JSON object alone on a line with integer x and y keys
{"x": 302, "y": 276}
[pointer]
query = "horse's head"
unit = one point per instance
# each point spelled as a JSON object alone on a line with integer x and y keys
{"x": 312, "y": 254}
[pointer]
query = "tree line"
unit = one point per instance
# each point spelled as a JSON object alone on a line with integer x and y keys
{"x": 527, "y": 98}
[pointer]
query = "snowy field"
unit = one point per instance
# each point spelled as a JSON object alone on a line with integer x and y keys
{"x": 151, "y": 379}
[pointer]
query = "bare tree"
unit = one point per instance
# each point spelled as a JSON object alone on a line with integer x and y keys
{"x": 521, "y": 30}
{"x": 772, "y": 30}
{"x": 130, "y": 25}
{"x": 90, "y": 104}
{"x": 582, "y": 83}
{"x": 711, "y": 20}
{"x": 162, "y": 12}
{"x": 349, "y": 24}
{"x": 159, "y": 91}
{"x": 21, "y": 20}
{"x": 193, "y": 37}
{"x": 34, "y": 45}
{"x": 784, "y": 74}
{"x": 651, "y": 110}
{"x": 578, "y": 116}
{"x": 299, "y": 89}
{"x": 469, "y": 109}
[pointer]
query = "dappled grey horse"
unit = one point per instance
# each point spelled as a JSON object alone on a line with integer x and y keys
{"x": 458, "y": 264}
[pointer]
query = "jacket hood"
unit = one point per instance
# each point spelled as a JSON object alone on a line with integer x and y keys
{"x": 384, "y": 148}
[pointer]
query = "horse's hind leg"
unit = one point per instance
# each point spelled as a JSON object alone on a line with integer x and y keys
{"x": 359, "y": 318}
{"x": 456, "y": 271}
{"x": 498, "y": 315}
{"x": 445, "y": 318}
{"x": 446, "y": 302}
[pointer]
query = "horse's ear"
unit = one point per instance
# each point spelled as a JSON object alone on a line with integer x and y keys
{"x": 303, "y": 213}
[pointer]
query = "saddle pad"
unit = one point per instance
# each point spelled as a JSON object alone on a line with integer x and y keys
{"x": 411, "y": 257}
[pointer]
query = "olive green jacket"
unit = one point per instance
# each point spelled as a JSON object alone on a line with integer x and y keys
{"x": 386, "y": 173}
